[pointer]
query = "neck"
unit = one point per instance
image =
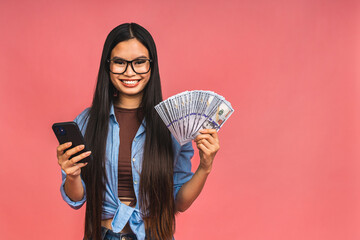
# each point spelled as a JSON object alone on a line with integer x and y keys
{"x": 128, "y": 101}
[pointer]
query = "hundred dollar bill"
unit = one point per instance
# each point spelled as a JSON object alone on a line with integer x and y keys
{"x": 217, "y": 118}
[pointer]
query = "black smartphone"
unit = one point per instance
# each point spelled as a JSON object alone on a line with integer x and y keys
{"x": 70, "y": 132}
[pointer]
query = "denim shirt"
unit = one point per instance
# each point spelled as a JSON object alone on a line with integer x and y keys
{"x": 112, "y": 207}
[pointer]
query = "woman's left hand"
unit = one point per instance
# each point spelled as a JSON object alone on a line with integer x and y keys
{"x": 208, "y": 144}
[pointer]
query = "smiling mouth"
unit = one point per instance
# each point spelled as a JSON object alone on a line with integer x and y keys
{"x": 130, "y": 82}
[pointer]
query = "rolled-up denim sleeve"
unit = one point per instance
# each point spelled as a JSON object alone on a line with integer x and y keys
{"x": 182, "y": 168}
{"x": 71, "y": 203}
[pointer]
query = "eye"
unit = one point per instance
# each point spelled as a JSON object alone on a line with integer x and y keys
{"x": 140, "y": 61}
{"x": 119, "y": 62}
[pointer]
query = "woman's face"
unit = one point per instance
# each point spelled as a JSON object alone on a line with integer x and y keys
{"x": 129, "y": 84}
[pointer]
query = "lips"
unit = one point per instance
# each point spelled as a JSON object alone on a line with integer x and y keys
{"x": 130, "y": 82}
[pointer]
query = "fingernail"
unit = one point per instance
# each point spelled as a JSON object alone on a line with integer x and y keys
{"x": 88, "y": 152}
{"x": 68, "y": 144}
{"x": 81, "y": 146}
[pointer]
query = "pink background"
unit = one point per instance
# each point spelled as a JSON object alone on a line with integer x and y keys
{"x": 288, "y": 167}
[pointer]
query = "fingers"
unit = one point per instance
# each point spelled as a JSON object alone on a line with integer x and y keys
{"x": 72, "y": 151}
{"x": 60, "y": 149}
{"x": 202, "y": 147}
{"x": 209, "y": 134}
{"x": 207, "y": 137}
{"x": 208, "y": 141}
{"x": 74, "y": 160}
{"x": 204, "y": 142}
{"x": 207, "y": 147}
{"x": 72, "y": 167}
{"x": 209, "y": 131}
{"x": 75, "y": 169}
{"x": 63, "y": 157}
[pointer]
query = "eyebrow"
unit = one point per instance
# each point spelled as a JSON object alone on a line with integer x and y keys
{"x": 142, "y": 56}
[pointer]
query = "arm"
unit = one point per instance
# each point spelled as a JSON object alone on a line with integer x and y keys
{"x": 72, "y": 188}
{"x": 208, "y": 144}
{"x": 191, "y": 190}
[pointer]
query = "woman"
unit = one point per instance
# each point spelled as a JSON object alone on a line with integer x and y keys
{"x": 140, "y": 177}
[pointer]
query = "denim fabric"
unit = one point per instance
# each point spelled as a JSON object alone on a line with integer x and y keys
{"x": 107, "y": 234}
{"x": 112, "y": 207}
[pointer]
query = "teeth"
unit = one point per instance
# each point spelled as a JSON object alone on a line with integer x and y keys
{"x": 130, "y": 82}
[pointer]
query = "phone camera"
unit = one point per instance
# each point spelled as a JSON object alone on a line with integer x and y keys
{"x": 60, "y": 131}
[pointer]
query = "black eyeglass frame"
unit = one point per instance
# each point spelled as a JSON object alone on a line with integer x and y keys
{"x": 129, "y": 62}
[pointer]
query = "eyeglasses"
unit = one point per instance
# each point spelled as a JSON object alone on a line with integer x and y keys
{"x": 139, "y": 66}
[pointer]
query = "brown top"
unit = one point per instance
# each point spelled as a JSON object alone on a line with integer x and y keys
{"x": 129, "y": 125}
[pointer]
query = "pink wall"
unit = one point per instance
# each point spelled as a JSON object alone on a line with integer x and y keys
{"x": 288, "y": 167}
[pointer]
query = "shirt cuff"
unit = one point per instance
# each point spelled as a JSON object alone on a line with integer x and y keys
{"x": 71, "y": 203}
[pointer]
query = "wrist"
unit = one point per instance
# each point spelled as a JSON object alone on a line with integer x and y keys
{"x": 72, "y": 178}
{"x": 204, "y": 169}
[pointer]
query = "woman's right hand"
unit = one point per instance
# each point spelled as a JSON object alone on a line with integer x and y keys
{"x": 71, "y": 167}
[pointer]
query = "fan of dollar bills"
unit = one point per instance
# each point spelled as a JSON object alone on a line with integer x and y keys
{"x": 186, "y": 113}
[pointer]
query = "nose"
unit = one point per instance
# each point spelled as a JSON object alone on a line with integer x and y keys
{"x": 129, "y": 71}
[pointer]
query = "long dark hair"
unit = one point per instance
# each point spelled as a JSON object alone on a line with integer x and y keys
{"x": 156, "y": 199}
